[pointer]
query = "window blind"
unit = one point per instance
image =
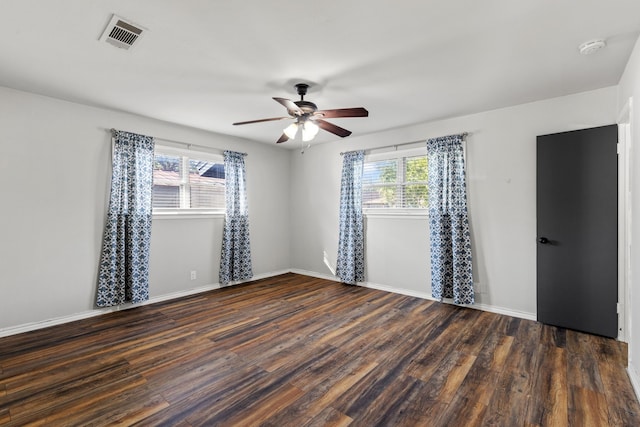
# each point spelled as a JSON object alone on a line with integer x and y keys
{"x": 184, "y": 180}
{"x": 396, "y": 181}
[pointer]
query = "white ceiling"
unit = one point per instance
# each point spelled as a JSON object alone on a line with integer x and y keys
{"x": 209, "y": 63}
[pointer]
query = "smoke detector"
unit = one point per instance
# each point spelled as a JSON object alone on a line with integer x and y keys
{"x": 592, "y": 46}
{"x": 122, "y": 33}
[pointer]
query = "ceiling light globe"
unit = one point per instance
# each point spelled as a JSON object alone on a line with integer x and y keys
{"x": 291, "y": 130}
{"x": 309, "y": 131}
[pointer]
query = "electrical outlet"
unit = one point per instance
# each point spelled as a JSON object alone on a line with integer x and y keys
{"x": 194, "y": 275}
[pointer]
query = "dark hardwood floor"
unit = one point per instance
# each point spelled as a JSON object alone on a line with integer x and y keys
{"x": 297, "y": 351}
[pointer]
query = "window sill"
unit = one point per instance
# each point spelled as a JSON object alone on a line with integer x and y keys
{"x": 188, "y": 215}
{"x": 397, "y": 213}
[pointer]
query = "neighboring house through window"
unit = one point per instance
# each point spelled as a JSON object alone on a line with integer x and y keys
{"x": 185, "y": 181}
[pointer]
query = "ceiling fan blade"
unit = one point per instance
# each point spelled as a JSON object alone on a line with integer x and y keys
{"x": 330, "y": 127}
{"x": 282, "y": 138}
{"x": 344, "y": 112}
{"x": 290, "y": 106}
{"x": 261, "y": 120}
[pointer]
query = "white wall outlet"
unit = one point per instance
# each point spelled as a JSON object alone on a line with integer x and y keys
{"x": 194, "y": 275}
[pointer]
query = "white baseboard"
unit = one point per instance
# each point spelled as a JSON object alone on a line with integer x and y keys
{"x": 506, "y": 311}
{"x": 314, "y": 274}
{"x": 13, "y": 330}
{"x": 401, "y": 291}
{"x": 265, "y": 275}
{"x": 423, "y": 295}
{"x": 477, "y": 306}
{"x": 634, "y": 378}
{"x": 26, "y": 327}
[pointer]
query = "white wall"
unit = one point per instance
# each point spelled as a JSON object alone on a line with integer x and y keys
{"x": 501, "y": 162}
{"x": 55, "y": 166}
{"x": 629, "y": 86}
{"x": 51, "y": 221}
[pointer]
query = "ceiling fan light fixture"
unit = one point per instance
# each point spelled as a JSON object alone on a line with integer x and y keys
{"x": 309, "y": 130}
{"x": 291, "y": 130}
{"x": 307, "y": 116}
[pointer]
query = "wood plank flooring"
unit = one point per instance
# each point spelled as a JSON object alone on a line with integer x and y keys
{"x": 298, "y": 351}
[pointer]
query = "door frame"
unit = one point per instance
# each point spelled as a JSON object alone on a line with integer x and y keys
{"x": 624, "y": 219}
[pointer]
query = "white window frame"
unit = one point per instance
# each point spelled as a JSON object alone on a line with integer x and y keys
{"x": 398, "y": 155}
{"x": 187, "y": 213}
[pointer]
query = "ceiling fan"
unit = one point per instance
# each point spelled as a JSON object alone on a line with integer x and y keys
{"x": 309, "y": 118}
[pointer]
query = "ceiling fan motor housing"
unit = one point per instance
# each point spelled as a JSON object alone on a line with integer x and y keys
{"x": 306, "y": 106}
{"x": 302, "y": 89}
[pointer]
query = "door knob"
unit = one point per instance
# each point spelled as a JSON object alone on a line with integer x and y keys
{"x": 543, "y": 240}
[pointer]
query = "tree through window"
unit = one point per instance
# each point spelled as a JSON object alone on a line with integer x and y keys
{"x": 395, "y": 181}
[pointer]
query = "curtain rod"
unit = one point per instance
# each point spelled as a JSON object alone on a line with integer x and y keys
{"x": 464, "y": 134}
{"x": 187, "y": 144}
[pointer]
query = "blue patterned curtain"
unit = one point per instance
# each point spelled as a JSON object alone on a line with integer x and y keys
{"x": 124, "y": 261}
{"x": 451, "y": 270}
{"x": 235, "y": 260}
{"x": 350, "y": 264}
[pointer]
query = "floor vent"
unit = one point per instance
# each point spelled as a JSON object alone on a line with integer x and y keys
{"x": 122, "y": 33}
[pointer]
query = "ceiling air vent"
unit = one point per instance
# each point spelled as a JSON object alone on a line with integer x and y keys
{"x": 122, "y": 33}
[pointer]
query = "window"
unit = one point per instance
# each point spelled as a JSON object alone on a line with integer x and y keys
{"x": 185, "y": 181}
{"x": 396, "y": 180}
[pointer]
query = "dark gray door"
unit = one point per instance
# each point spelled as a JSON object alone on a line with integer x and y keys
{"x": 577, "y": 216}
